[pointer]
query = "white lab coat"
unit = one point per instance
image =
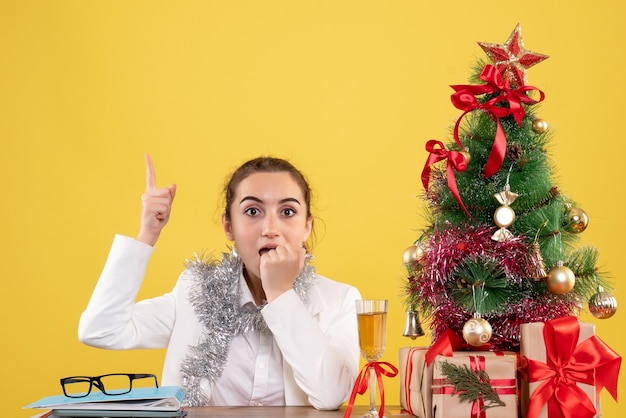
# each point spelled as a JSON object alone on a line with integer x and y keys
{"x": 318, "y": 340}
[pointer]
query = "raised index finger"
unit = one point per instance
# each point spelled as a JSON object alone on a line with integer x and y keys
{"x": 150, "y": 176}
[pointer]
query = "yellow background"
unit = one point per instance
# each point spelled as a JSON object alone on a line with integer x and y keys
{"x": 348, "y": 90}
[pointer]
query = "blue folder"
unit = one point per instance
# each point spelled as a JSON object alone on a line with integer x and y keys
{"x": 165, "y": 398}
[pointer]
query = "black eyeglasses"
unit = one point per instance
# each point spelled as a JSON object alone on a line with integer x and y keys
{"x": 109, "y": 384}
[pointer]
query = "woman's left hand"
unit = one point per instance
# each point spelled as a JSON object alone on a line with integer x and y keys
{"x": 280, "y": 268}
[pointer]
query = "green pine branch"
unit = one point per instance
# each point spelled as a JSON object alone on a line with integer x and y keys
{"x": 469, "y": 386}
{"x": 480, "y": 286}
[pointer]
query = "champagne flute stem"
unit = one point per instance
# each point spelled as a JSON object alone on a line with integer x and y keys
{"x": 372, "y": 385}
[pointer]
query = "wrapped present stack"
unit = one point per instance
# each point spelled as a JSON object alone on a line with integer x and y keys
{"x": 497, "y": 275}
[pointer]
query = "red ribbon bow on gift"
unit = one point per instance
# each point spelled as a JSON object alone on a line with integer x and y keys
{"x": 456, "y": 161}
{"x": 464, "y": 99}
{"x": 361, "y": 384}
{"x": 591, "y": 362}
{"x": 448, "y": 343}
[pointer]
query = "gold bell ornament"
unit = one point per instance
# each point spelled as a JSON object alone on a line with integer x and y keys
{"x": 412, "y": 327}
{"x": 541, "y": 270}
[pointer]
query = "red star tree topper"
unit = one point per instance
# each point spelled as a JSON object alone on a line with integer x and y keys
{"x": 511, "y": 59}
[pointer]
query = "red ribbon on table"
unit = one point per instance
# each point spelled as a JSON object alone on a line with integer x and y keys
{"x": 591, "y": 362}
{"x": 456, "y": 161}
{"x": 362, "y": 382}
{"x": 500, "y": 386}
{"x": 464, "y": 99}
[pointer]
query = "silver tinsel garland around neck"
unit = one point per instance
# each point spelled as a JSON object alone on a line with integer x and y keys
{"x": 215, "y": 296}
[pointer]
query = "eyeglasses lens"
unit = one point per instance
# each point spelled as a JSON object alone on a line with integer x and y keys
{"x": 77, "y": 386}
{"x": 115, "y": 384}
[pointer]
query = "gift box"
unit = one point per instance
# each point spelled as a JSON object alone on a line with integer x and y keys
{"x": 493, "y": 394}
{"x": 415, "y": 382}
{"x": 564, "y": 356}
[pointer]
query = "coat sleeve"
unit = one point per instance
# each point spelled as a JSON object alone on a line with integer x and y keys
{"x": 112, "y": 319}
{"x": 322, "y": 348}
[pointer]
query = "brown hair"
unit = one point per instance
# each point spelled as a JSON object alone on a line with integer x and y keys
{"x": 264, "y": 165}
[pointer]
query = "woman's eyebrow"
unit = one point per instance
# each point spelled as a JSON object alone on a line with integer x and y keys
{"x": 290, "y": 199}
{"x": 256, "y": 199}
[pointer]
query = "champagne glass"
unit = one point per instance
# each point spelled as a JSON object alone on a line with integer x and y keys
{"x": 372, "y": 322}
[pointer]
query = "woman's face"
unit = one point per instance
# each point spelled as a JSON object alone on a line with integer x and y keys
{"x": 268, "y": 210}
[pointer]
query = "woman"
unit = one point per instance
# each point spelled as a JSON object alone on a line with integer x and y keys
{"x": 258, "y": 326}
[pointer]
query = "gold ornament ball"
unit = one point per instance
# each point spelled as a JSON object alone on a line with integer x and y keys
{"x": 560, "y": 279}
{"x": 412, "y": 255}
{"x": 576, "y": 220}
{"x": 603, "y": 305}
{"x": 504, "y": 216}
{"x": 477, "y": 332}
{"x": 540, "y": 125}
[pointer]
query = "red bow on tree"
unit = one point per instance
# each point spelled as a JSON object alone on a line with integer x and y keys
{"x": 465, "y": 99}
{"x": 456, "y": 161}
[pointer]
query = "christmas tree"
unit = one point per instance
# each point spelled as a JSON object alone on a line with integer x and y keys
{"x": 501, "y": 245}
